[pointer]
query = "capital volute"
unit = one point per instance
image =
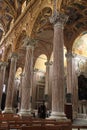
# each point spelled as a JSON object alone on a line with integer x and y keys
{"x": 14, "y": 55}
{"x": 78, "y": 72}
{"x": 48, "y": 63}
{"x": 70, "y": 55}
{"x": 30, "y": 46}
{"x": 30, "y": 42}
{"x": 3, "y": 64}
{"x": 35, "y": 70}
{"x": 58, "y": 18}
{"x": 22, "y": 75}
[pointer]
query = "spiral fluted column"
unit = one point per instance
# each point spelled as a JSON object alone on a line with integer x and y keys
{"x": 58, "y": 94}
{"x": 2, "y": 77}
{"x": 9, "y": 97}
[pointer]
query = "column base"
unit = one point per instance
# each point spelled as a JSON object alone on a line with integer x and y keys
{"x": 79, "y": 121}
{"x": 24, "y": 112}
{"x": 8, "y": 111}
{"x": 58, "y": 116}
{"x": 81, "y": 116}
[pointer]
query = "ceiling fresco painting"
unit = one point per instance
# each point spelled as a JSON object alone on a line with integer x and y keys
{"x": 9, "y": 10}
{"x": 18, "y": 11}
{"x": 80, "y": 45}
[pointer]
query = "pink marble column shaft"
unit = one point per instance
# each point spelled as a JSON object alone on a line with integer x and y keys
{"x": 25, "y": 101}
{"x": 48, "y": 63}
{"x": 32, "y": 74}
{"x": 50, "y": 86}
{"x": 2, "y": 77}
{"x": 75, "y": 88}
{"x": 15, "y": 94}
{"x": 20, "y": 91}
{"x": 9, "y": 96}
{"x": 34, "y": 89}
{"x": 58, "y": 94}
{"x": 69, "y": 57}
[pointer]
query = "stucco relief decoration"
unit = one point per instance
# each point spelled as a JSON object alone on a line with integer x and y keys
{"x": 42, "y": 20}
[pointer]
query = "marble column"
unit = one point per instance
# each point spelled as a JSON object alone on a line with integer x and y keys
{"x": 9, "y": 96}
{"x": 15, "y": 95}
{"x": 32, "y": 74}
{"x": 58, "y": 94}
{"x": 20, "y": 91}
{"x": 75, "y": 87}
{"x": 50, "y": 86}
{"x": 47, "y": 84}
{"x": 69, "y": 58}
{"x": 34, "y": 88}
{"x": 2, "y": 77}
{"x": 25, "y": 100}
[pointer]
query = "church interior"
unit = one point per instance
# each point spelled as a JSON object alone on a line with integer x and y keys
{"x": 43, "y": 58}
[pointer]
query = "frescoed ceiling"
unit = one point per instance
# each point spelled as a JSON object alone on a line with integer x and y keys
{"x": 9, "y": 10}
{"x": 80, "y": 45}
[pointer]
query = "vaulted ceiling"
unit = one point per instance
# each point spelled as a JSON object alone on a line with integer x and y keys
{"x": 77, "y": 22}
{"x": 10, "y": 10}
{"x": 75, "y": 9}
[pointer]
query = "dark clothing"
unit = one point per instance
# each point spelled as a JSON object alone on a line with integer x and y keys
{"x": 39, "y": 112}
{"x": 42, "y": 111}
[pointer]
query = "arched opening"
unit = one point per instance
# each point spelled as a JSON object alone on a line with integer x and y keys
{"x": 18, "y": 73}
{"x": 80, "y": 45}
{"x": 80, "y": 49}
{"x": 40, "y": 63}
{"x": 39, "y": 80}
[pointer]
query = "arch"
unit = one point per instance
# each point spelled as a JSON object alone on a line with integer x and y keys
{"x": 18, "y": 72}
{"x": 39, "y": 29}
{"x": 40, "y": 62}
{"x": 80, "y": 44}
